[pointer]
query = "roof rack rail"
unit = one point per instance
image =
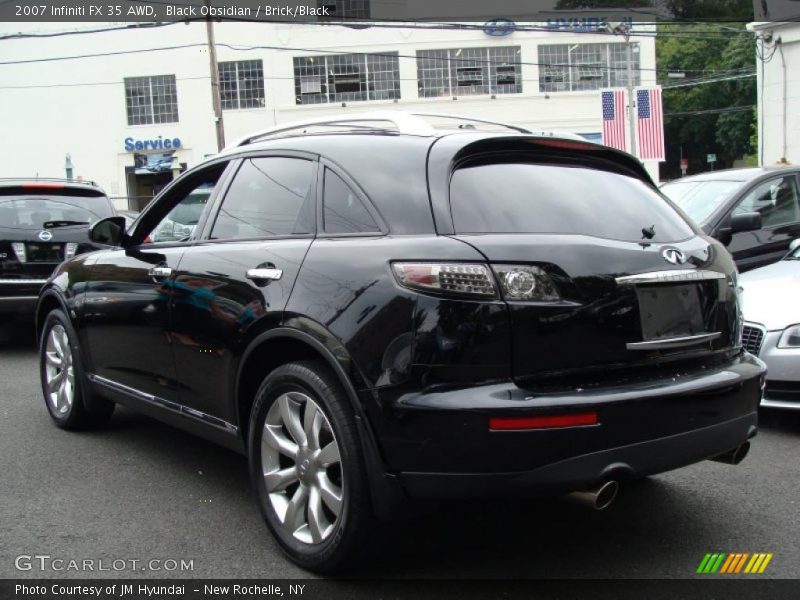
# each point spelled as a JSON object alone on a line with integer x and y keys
{"x": 402, "y": 122}
{"x": 50, "y": 180}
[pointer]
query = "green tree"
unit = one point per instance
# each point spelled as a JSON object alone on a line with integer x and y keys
{"x": 687, "y": 129}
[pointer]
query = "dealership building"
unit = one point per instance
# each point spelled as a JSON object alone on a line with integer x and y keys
{"x": 130, "y": 108}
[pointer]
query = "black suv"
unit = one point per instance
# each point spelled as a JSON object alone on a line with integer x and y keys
{"x": 42, "y": 223}
{"x": 372, "y": 309}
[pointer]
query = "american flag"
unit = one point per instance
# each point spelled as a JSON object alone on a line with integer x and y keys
{"x": 650, "y": 124}
{"x": 614, "y": 118}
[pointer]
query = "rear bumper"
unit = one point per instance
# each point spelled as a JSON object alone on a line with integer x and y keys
{"x": 19, "y": 296}
{"x": 584, "y": 471}
{"x": 441, "y": 444}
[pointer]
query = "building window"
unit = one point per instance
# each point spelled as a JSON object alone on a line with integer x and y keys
{"x": 575, "y": 67}
{"x": 346, "y": 78}
{"x": 151, "y": 100}
{"x": 345, "y": 9}
{"x": 469, "y": 71}
{"x": 241, "y": 84}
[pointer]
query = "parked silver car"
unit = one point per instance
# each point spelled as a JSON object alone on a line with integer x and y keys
{"x": 772, "y": 326}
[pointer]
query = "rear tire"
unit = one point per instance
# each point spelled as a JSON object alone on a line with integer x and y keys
{"x": 67, "y": 396}
{"x": 307, "y": 466}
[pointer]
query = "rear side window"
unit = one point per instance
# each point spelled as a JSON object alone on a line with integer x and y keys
{"x": 343, "y": 211}
{"x": 536, "y": 198}
{"x": 269, "y": 197}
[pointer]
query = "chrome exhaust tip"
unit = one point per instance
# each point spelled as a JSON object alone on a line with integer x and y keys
{"x": 733, "y": 456}
{"x": 599, "y": 498}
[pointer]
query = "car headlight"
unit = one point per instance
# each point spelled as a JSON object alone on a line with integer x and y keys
{"x": 790, "y": 338}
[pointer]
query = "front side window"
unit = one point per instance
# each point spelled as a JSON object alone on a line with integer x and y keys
{"x": 343, "y": 211}
{"x": 519, "y": 197}
{"x": 346, "y": 78}
{"x": 183, "y": 206}
{"x": 576, "y": 67}
{"x": 270, "y": 196}
{"x": 776, "y": 200}
{"x": 241, "y": 84}
{"x": 469, "y": 71}
{"x": 150, "y": 100}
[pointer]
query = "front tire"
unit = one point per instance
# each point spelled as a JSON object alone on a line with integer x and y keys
{"x": 307, "y": 466}
{"x": 66, "y": 393}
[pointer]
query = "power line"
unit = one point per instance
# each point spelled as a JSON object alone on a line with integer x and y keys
{"x": 701, "y": 81}
{"x": 335, "y": 52}
{"x": 711, "y": 111}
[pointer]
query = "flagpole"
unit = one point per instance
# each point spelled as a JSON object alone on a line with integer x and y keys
{"x": 631, "y": 105}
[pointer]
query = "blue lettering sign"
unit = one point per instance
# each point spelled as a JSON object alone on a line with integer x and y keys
{"x": 157, "y": 144}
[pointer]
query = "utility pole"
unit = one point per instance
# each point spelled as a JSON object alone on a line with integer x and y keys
{"x": 214, "y": 68}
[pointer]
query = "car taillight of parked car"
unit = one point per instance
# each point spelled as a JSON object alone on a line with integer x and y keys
{"x": 516, "y": 282}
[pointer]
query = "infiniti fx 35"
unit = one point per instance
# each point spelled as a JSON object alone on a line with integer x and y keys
{"x": 377, "y": 311}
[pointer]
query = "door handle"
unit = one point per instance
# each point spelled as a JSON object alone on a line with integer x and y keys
{"x": 264, "y": 273}
{"x": 160, "y": 272}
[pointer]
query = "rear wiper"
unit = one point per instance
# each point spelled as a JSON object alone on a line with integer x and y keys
{"x": 53, "y": 224}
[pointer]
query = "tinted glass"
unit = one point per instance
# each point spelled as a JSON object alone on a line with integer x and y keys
{"x": 32, "y": 212}
{"x": 344, "y": 212}
{"x": 699, "y": 199}
{"x": 531, "y": 198}
{"x": 776, "y": 200}
{"x": 180, "y": 222}
{"x": 268, "y": 197}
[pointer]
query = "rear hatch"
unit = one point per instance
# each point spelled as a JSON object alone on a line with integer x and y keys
{"x": 620, "y": 279}
{"x": 42, "y": 224}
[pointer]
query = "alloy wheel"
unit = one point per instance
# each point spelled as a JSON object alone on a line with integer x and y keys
{"x": 59, "y": 371}
{"x": 302, "y": 468}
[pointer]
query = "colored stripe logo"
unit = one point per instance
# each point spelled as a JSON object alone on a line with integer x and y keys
{"x": 735, "y": 563}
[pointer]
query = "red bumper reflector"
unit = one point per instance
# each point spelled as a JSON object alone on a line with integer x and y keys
{"x": 542, "y": 421}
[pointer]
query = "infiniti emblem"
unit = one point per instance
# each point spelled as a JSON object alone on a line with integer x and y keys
{"x": 45, "y": 235}
{"x": 673, "y": 256}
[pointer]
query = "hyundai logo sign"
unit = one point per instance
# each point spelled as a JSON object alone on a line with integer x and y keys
{"x": 499, "y": 27}
{"x": 673, "y": 256}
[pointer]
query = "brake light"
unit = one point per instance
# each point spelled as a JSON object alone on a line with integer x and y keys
{"x": 450, "y": 278}
{"x": 43, "y": 186}
{"x": 19, "y": 250}
{"x": 542, "y": 421}
{"x": 70, "y": 248}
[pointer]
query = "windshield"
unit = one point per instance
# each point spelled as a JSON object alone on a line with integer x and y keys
{"x": 699, "y": 199}
{"x": 538, "y": 198}
{"x": 32, "y": 212}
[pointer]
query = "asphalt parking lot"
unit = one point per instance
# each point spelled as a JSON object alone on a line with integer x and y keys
{"x": 142, "y": 490}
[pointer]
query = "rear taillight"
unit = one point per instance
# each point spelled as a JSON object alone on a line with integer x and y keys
{"x": 19, "y": 250}
{"x": 526, "y": 282}
{"x": 449, "y": 278}
{"x": 543, "y": 421}
{"x": 70, "y": 248}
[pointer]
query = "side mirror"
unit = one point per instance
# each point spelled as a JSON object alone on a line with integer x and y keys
{"x": 108, "y": 232}
{"x": 745, "y": 222}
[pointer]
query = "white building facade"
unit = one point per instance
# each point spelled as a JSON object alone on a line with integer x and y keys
{"x": 778, "y": 72}
{"x": 129, "y": 116}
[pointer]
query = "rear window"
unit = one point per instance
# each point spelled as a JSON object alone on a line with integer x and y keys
{"x": 536, "y": 198}
{"x": 33, "y": 211}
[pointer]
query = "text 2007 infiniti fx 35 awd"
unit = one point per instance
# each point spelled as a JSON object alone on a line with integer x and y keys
{"x": 377, "y": 309}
